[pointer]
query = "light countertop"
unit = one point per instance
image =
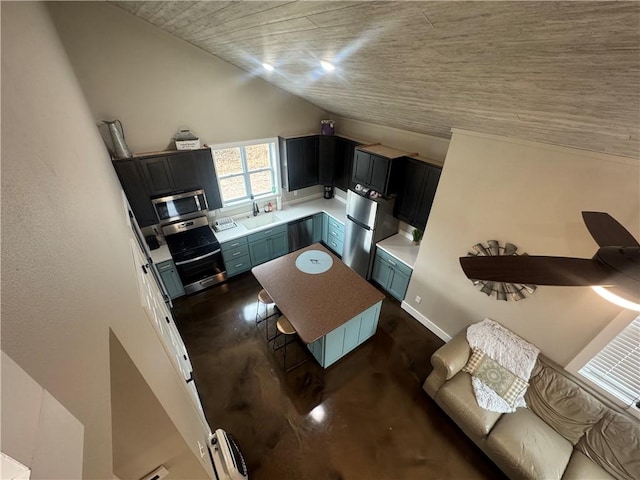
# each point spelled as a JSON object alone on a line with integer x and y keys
{"x": 316, "y": 304}
{"x": 336, "y": 207}
{"x": 161, "y": 254}
{"x": 400, "y": 247}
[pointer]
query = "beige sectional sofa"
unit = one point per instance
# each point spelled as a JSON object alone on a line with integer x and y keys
{"x": 565, "y": 433}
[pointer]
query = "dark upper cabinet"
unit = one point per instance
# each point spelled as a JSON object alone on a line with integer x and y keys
{"x": 134, "y": 187}
{"x": 345, "y": 150}
{"x": 382, "y": 174}
{"x": 335, "y": 161}
{"x": 156, "y": 174}
{"x": 169, "y": 173}
{"x": 408, "y": 199}
{"x": 208, "y": 178}
{"x": 185, "y": 170}
{"x": 327, "y": 159}
{"x": 362, "y": 167}
{"x": 380, "y": 168}
{"x": 145, "y": 177}
{"x": 299, "y": 162}
{"x": 416, "y": 197}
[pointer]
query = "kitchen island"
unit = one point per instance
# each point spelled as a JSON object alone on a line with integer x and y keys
{"x": 331, "y": 307}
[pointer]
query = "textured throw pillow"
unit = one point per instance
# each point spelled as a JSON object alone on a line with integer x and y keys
{"x": 506, "y": 384}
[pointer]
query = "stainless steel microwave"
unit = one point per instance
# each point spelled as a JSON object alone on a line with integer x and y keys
{"x": 181, "y": 205}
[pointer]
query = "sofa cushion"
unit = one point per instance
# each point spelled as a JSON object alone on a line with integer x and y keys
{"x": 561, "y": 403}
{"x": 524, "y": 446}
{"x": 582, "y": 468}
{"x": 457, "y": 399}
{"x": 499, "y": 379}
{"x": 614, "y": 444}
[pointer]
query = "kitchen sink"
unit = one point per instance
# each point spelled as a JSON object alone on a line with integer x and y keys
{"x": 260, "y": 220}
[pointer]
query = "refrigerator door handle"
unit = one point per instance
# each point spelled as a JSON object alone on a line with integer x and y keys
{"x": 359, "y": 223}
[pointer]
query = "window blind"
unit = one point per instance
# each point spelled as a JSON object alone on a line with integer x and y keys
{"x": 616, "y": 368}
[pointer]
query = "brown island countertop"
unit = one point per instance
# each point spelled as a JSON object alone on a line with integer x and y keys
{"x": 316, "y": 304}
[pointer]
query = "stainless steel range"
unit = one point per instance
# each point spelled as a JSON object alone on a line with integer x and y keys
{"x": 193, "y": 245}
{"x": 196, "y": 253}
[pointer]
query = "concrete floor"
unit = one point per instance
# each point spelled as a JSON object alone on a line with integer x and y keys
{"x": 365, "y": 417}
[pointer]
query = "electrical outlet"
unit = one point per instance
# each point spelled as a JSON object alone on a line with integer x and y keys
{"x": 418, "y": 299}
{"x": 295, "y": 193}
{"x": 157, "y": 474}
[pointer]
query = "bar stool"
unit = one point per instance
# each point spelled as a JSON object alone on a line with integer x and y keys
{"x": 285, "y": 329}
{"x": 264, "y": 300}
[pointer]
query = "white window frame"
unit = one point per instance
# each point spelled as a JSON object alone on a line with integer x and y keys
{"x": 275, "y": 157}
{"x": 609, "y": 333}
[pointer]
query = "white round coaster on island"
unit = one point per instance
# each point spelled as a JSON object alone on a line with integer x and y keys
{"x": 314, "y": 262}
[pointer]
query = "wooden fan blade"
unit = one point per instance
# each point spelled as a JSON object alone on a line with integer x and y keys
{"x": 537, "y": 270}
{"x": 607, "y": 231}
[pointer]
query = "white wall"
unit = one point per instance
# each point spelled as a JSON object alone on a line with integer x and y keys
{"x": 58, "y": 228}
{"x": 31, "y": 433}
{"x": 429, "y": 146}
{"x": 531, "y": 195}
{"x": 143, "y": 435}
{"x": 67, "y": 272}
{"x": 156, "y": 84}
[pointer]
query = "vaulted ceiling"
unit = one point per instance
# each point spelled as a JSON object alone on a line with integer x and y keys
{"x": 565, "y": 73}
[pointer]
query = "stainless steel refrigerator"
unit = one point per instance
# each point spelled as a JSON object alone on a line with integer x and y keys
{"x": 369, "y": 220}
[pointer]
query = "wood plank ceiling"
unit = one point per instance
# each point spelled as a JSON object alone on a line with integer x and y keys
{"x": 565, "y": 73}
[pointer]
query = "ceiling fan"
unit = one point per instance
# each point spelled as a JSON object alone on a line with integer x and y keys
{"x": 616, "y": 264}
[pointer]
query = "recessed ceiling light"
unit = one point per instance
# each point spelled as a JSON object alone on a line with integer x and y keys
{"x": 328, "y": 66}
{"x": 267, "y": 66}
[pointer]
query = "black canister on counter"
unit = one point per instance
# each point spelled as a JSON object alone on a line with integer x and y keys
{"x": 152, "y": 242}
{"x": 328, "y": 191}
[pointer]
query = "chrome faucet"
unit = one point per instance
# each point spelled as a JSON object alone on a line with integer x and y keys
{"x": 256, "y": 210}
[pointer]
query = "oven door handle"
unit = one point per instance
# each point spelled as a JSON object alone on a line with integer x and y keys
{"x": 198, "y": 258}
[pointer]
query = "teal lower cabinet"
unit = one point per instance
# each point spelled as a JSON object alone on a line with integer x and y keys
{"x": 391, "y": 274}
{"x": 170, "y": 279}
{"x": 317, "y": 228}
{"x": 260, "y": 251}
{"x": 268, "y": 244}
{"x": 333, "y": 234}
{"x": 337, "y": 343}
{"x": 325, "y": 229}
{"x": 235, "y": 254}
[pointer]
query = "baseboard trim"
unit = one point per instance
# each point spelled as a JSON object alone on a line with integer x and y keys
{"x": 425, "y": 321}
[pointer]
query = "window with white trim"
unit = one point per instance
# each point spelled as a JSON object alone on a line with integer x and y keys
{"x": 616, "y": 368}
{"x": 246, "y": 170}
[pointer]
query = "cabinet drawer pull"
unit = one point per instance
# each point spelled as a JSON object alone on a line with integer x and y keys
{"x": 235, "y": 244}
{"x": 392, "y": 263}
{"x": 333, "y": 233}
{"x": 235, "y": 254}
{"x": 238, "y": 265}
{"x": 334, "y": 244}
{"x": 268, "y": 231}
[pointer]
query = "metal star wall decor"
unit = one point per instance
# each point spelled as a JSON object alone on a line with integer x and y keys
{"x": 500, "y": 290}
